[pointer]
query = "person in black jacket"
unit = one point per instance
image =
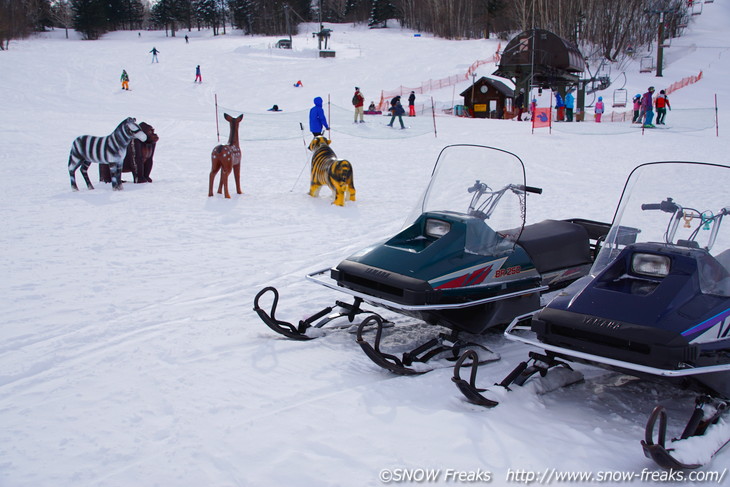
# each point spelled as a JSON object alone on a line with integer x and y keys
{"x": 412, "y": 104}
{"x": 396, "y": 110}
{"x": 520, "y": 104}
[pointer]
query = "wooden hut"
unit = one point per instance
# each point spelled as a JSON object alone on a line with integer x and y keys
{"x": 487, "y": 98}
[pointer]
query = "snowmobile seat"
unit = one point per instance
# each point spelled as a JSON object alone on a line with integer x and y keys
{"x": 556, "y": 244}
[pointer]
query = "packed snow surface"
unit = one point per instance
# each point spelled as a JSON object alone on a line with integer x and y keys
{"x": 129, "y": 350}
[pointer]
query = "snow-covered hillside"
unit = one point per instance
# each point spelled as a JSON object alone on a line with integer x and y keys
{"x": 129, "y": 350}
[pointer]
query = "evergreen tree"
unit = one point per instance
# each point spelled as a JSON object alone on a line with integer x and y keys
{"x": 89, "y": 18}
{"x": 382, "y": 11}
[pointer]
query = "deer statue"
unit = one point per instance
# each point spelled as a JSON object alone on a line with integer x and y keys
{"x": 226, "y": 158}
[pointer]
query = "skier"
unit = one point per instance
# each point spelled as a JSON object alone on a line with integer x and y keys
{"x": 125, "y": 80}
{"x": 317, "y": 120}
{"x": 397, "y": 111}
{"x": 637, "y": 109}
{"x": 154, "y": 52}
{"x": 599, "y": 109}
{"x": 412, "y": 104}
{"x": 560, "y": 106}
{"x": 646, "y": 107}
{"x": 198, "y": 76}
{"x": 520, "y": 104}
{"x": 661, "y": 103}
{"x": 358, "y": 100}
{"x": 569, "y": 102}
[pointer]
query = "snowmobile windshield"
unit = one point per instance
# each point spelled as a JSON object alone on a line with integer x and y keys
{"x": 681, "y": 205}
{"x": 485, "y": 184}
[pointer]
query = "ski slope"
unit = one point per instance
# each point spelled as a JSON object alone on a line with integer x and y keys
{"x": 129, "y": 350}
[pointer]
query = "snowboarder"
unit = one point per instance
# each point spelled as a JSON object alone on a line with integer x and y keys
{"x": 298, "y": 84}
{"x": 317, "y": 120}
{"x": 646, "y": 107}
{"x": 198, "y": 76}
{"x": 412, "y": 104}
{"x": 186, "y": 39}
{"x": 357, "y": 101}
{"x": 125, "y": 80}
{"x": 599, "y": 109}
{"x": 154, "y": 52}
{"x": 661, "y": 103}
{"x": 397, "y": 110}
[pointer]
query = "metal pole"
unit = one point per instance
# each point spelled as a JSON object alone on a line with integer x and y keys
{"x": 217, "y": 129}
{"x": 433, "y": 112}
{"x": 659, "y": 48}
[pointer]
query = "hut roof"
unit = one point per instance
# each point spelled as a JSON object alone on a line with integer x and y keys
{"x": 498, "y": 85}
{"x": 542, "y": 54}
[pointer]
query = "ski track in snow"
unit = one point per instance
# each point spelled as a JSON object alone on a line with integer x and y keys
{"x": 130, "y": 353}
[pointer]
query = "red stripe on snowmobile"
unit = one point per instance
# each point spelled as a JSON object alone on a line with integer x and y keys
{"x": 468, "y": 279}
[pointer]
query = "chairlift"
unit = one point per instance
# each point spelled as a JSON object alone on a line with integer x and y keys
{"x": 646, "y": 65}
{"x": 620, "y": 97}
{"x": 666, "y": 42}
{"x": 709, "y": 1}
{"x": 697, "y": 8}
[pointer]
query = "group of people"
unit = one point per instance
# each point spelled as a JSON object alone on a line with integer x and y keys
{"x": 644, "y": 105}
{"x": 564, "y": 106}
{"x": 318, "y": 121}
{"x": 396, "y": 108}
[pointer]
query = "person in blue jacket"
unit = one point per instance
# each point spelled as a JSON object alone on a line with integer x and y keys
{"x": 317, "y": 120}
{"x": 569, "y": 103}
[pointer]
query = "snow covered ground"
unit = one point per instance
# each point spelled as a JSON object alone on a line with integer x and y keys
{"x": 129, "y": 350}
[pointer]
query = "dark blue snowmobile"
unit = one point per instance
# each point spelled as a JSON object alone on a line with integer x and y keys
{"x": 464, "y": 260}
{"x": 655, "y": 305}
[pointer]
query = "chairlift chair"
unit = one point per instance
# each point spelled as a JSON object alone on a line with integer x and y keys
{"x": 646, "y": 65}
{"x": 620, "y": 97}
{"x": 697, "y": 8}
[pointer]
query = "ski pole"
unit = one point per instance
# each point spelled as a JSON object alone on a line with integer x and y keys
{"x": 305, "y": 158}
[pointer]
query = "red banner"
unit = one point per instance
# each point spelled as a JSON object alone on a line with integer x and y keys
{"x": 541, "y": 118}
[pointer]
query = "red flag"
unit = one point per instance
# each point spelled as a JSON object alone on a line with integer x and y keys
{"x": 541, "y": 118}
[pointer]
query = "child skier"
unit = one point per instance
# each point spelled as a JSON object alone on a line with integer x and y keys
{"x": 599, "y": 109}
{"x": 637, "y": 109}
{"x": 125, "y": 80}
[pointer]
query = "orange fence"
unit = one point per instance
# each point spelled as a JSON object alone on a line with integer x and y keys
{"x": 682, "y": 83}
{"x": 432, "y": 85}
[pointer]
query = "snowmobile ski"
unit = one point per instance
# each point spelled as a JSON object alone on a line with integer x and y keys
{"x": 697, "y": 425}
{"x": 298, "y": 332}
{"x": 413, "y": 362}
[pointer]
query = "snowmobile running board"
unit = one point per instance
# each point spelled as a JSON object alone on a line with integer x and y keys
{"x": 316, "y": 277}
{"x": 689, "y": 371}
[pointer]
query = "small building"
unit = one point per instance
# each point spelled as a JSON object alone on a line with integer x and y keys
{"x": 488, "y": 98}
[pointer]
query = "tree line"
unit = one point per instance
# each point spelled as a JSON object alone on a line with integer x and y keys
{"x": 607, "y": 28}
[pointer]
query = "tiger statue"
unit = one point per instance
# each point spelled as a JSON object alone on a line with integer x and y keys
{"x": 330, "y": 171}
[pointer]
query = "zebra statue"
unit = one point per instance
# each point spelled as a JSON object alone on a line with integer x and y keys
{"x": 103, "y": 150}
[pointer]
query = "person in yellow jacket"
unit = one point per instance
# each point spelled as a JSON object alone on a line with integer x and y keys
{"x": 125, "y": 80}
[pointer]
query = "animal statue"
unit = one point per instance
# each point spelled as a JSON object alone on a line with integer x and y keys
{"x": 226, "y": 158}
{"x": 330, "y": 171}
{"x": 138, "y": 159}
{"x": 103, "y": 150}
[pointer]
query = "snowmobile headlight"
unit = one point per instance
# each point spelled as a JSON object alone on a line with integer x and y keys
{"x": 437, "y": 228}
{"x": 650, "y": 265}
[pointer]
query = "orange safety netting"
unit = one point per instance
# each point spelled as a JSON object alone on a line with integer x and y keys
{"x": 432, "y": 85}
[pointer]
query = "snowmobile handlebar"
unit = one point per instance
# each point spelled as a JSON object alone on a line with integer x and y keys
{"x": 529, "y": 189}
{"x": 668, "y": 206}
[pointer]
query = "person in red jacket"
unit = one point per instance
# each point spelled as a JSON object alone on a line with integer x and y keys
{"x": 358, "y": 100}
{"x": 661, "y": 103}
